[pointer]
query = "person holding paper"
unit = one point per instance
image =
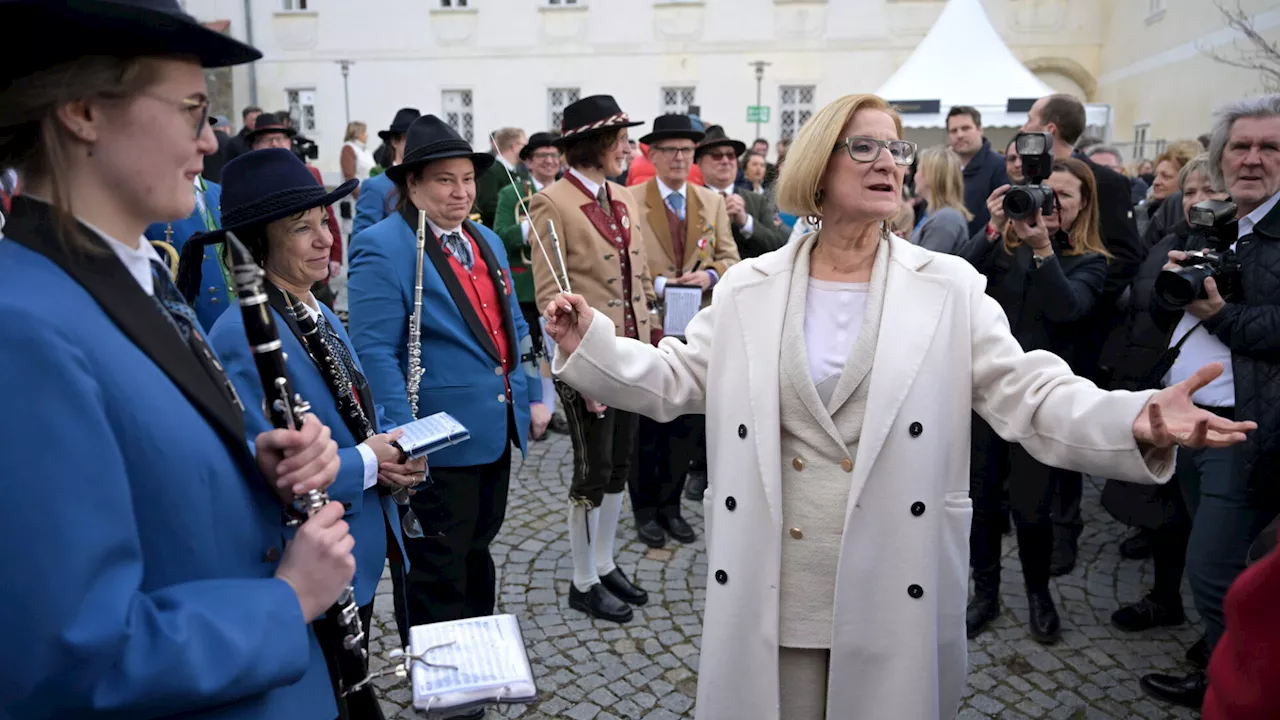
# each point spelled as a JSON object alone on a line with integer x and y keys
{"x": 601, "y": 254}
{"x": 690, "y": 245}
{"x": 839, "y": 375}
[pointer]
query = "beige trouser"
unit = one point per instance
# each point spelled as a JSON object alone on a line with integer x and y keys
{"x": 802, "y": 683}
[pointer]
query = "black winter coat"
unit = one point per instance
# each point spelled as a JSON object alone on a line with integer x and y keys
{"x": 982, "y": 175}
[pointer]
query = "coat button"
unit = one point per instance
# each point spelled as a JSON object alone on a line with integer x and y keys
{"x": 915, "y": 591}
{"x": 271, "y": 555}
{"x": 730, "y": 503}
{"x": 502, "y": 398}
{"x": 915, "y": 429}
{"x": 797, "y": 463}
{"x": 497, "y": 370}
{"x": 742, "y": 431}
{"x": 846, "y": 465}
{"x": 796, "y": 533}
{"x": 213, "y": 300}
{"x": 917, "y": 508}
{"x": 722, "y": 577}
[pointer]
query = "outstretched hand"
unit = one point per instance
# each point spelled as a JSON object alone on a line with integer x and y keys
{"x": 568, "y": 316}
{"x": 1171, "y": 418}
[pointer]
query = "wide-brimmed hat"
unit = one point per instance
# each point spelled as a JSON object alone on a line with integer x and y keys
{"x": 592, "y": 115}
{"x": 430, "y": 139}
{"x": 269, "y": 123}
{"x": 258, "y": 188}
{"x": 715, "y": 137}
{"x": 57, "y": 31}
{"x": 537, "y": 141}
{"x": 673, "y": 127}
{"x": 400, "y": 124}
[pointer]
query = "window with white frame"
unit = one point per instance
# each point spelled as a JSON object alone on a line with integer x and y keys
{"x": 677, "y": 100}
{"x": 456, "y": 105}
{"x": 557, "y": 100}
{"x": 559, "y": 3}
{"x": 795, "y": 107}
{"x": 302, "y": 109}
{"x": 294, "y": 5}
{"x": 1140, "y": 140}
{"x": 452, "y": 4}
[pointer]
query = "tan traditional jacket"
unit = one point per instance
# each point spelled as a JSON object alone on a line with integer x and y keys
{"x": 706, "y": 219}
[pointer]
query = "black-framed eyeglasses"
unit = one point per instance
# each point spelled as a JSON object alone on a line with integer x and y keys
{"x": 197, "y": 107}
{"x": 867, "y": 149}
{"x": 669, "y": 151}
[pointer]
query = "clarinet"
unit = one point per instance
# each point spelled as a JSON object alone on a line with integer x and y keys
{"x": 415, "y": 323}
{"x": 318, "y": 347}
{"x": 286, "y": 409}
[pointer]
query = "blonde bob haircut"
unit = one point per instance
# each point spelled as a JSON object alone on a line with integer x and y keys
{"x": 808, "y": 156}
{"x": 940, "y": 167}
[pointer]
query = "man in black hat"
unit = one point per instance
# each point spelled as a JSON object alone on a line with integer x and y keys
{"x": 377, "y": 194}
{"x": 690, "y": 242}
{"x": 476, "y": 362}
{"x": 542, "y": 158}
{"x": 751, "y": 213}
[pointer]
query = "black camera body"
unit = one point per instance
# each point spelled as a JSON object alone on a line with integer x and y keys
{"x": 305, "y": 148}
{"x": 1215, "y": 226}
{"x": 1031, "y": 197}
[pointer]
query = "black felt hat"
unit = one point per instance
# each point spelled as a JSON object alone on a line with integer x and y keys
{"x": 400, "y": 124}
{"x": 673, "y": 127}
{"x": 269, "y": 123}
{"x": 56, "y": 31}
{"x": 430, "y": 139}
{"x": 536, "y": 142}
{"x": 592, "y": 115}
{"x": 715, "y": 137}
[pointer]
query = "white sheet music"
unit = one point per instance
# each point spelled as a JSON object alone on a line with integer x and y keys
{"x": 487, "y": 659}
{"x": 431, "y": 433}
{"x": 681, "y": 303}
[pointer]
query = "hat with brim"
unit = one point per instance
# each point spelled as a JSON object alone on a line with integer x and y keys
{"x": 716, "y": 138}
{"x": 673, "y": 127}
{"x": 430, "y": 139}
{"x": 400, "y": 124}
{"x": 57, "y": 31}
{"x": 258, "y": 188}
{"x": 536, "y": 142}
{"x": 268, "y": 123}
{"x": 592, "y": 115}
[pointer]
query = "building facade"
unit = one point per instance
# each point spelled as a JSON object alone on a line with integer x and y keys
{"x": 484, "y": 64}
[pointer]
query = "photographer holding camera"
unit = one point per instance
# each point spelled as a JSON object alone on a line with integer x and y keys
{"x": 1045, "y": 264}
{"x": 1239, "y": 489}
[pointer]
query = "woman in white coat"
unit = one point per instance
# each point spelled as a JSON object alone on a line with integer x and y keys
{"x": 838, "y": 510}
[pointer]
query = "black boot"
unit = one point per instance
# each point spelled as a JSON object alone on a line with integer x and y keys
{"x": 1184, "y": 690}
{"x": 623, "y": 589}
{"x": 695, "y": 484}
{"x": 1198, "y": 654}
{"x": 1044, "y": 625}
{"x": 1147, "y": 613}
{"x": 651, "y": 533}
{"x": 985, "y": 605}
{"x": 1137, "y": 546}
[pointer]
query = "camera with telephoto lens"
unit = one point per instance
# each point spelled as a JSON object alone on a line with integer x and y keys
{"x": 1214, "y": 226}
{"x": 1030, "y": 198}
{"x": 305, "y": 148}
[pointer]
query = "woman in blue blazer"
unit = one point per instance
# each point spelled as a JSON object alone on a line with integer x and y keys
{"x": 145, "y": 568}
{"x": 290, "y": 240}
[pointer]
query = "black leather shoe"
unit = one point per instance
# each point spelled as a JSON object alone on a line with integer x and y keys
{"x": 1199, "y": 653}
{"x": 981, "y": 611}
{"x": 652, "y": 534}
{"x": 1045, "y": 626}
{"x": 1184, "y": 690}
{"x": 695, "y": 484}
{"x": 1148, "y": 613}
{"x": 679, "y": 529}
{"x": 599, "y": 602}
{"x": 558, "y": 423}
{"x": 1137, "y": 546}
{"x": 1063, "y": 560}
{"x": 620, "y": 587}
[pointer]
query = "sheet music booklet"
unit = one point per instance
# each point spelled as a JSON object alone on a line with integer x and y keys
{"x": 464, "y": 664}
{"x": 680, "y": 304}
{"x": 430, "y": 434}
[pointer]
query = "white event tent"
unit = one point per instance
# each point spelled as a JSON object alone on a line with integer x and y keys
{"x": 964, "y": 61}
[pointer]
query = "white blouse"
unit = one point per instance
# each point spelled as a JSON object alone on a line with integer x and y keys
{"x": 833, "y": 313}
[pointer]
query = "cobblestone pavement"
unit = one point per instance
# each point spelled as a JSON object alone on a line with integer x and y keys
{"x": 595, "y": 670}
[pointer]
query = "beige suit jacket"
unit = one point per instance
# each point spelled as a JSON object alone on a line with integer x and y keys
{"x": 706, "y": 218}
{"x": 592, "y": 260}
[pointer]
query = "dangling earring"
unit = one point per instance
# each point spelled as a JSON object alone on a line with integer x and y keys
{"x": 816, "y": 220}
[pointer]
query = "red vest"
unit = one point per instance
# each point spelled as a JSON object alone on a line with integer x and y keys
{"x": 679, "y": 232}
{"x": 485, "y": 299}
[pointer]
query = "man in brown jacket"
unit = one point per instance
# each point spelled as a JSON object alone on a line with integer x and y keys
{"x": 601, "y": 256}
{"x": 690, "y": 242}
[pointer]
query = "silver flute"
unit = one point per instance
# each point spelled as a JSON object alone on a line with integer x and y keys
{"x": 414, "y": 378}
{"x": 555, "y": 243}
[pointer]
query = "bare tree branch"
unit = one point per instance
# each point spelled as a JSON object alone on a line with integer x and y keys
{"x": 1258, "y": 54}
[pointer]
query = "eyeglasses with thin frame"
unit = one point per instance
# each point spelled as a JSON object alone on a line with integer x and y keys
{"x": 867, "y": 149}
{"x": 720, "y": 155}
{"x": 197, "y": 106}
{"x": 669, "y": 151}
{"x": 550, "y": 155}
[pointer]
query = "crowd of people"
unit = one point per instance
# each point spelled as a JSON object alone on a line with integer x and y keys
{"x": 897, "y": 361}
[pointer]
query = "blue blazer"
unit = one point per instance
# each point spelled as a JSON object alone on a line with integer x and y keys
{"x": 463, "y": 374}
{"x": 215, "y": 296}
{"x": 377, "y": 200}
{"x": 141, "y": 542}
{"x": 367, "y": 512}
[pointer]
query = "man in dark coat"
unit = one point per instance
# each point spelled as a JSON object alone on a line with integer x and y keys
{"x": 239, "y": 144}
{"x": 984, "y": 169}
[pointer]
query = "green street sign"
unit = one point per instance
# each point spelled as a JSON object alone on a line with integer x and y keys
{"x": 757, "y": 113}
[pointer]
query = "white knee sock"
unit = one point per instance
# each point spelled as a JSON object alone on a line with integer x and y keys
{"x": 580, "y": 538}
{"x": 610, "y": 509}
